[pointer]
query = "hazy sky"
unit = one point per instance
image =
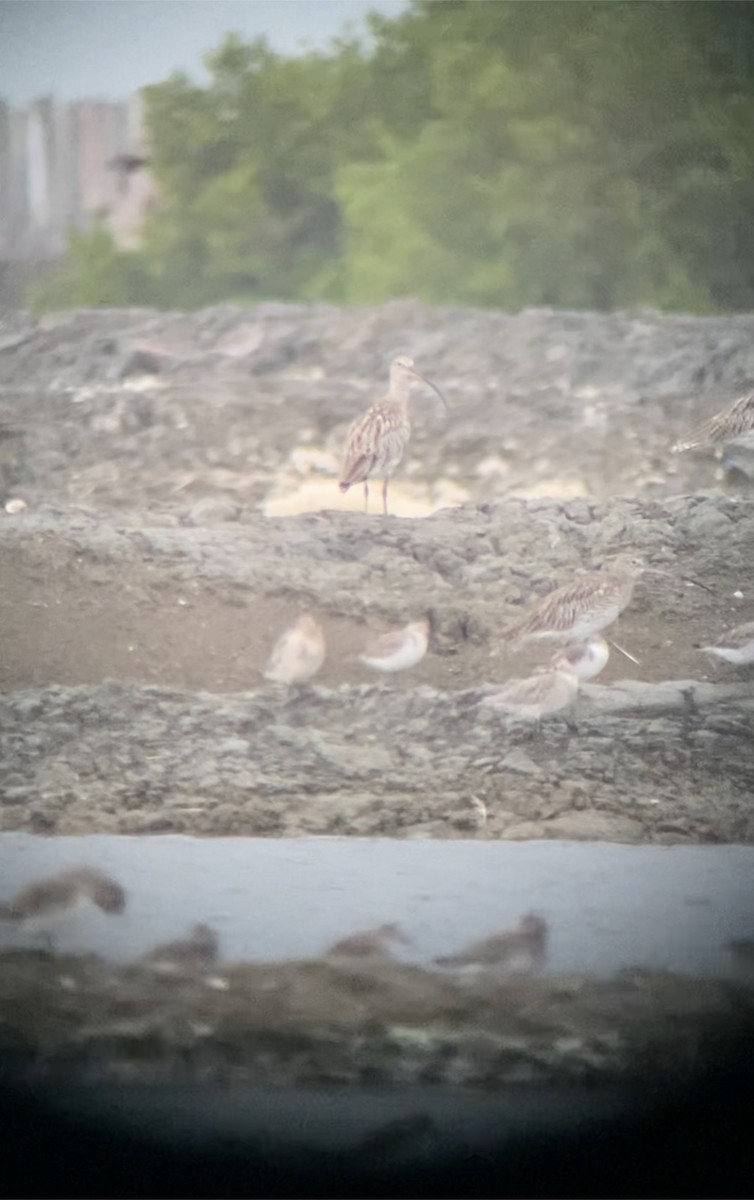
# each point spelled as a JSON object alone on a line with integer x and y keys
{"x": 109, "y": 48}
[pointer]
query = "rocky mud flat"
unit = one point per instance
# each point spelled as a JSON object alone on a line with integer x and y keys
{"x": 133, "y": 699}
{"x": 171, "y": 503}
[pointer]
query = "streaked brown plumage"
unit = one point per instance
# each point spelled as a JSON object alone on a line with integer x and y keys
{"x": 734, "y": 423}
{"x": 521, "y": 949}
{"x": 377, "y": 441}
{"x": 583, "y": 608}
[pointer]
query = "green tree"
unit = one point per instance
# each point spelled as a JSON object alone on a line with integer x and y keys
{"x": 596, "y": 154}
{"x": 94, "y": 273}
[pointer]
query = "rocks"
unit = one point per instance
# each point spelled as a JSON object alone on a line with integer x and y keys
{"x": 152, "y": 444}
{"x": 146, "y": 749}
{"x": 542, "y": 403}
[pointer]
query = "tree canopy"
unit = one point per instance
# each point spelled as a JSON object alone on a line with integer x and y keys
{"x": 596, "y": 154}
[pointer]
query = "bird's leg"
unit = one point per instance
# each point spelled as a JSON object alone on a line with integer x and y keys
{"x": 366, "y": 496}
{"x": 384, "y": 496}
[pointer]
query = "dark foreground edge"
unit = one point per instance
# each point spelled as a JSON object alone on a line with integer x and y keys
{"x": 75, "y": 1140}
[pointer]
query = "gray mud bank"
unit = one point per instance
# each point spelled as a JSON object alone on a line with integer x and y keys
{"x": 146, "y": 580}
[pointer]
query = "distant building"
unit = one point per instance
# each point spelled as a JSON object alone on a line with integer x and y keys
{"x": 62, "y": 165}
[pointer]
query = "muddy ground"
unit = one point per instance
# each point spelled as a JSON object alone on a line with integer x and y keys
{"x": 144, "y": 584}
{"x": 178, "y": 475}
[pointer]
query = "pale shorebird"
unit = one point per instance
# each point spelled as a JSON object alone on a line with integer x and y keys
{"x": 585, "y": 659}
{"x": 298, "y": 653}
{"x": 583, "y": 608}
{"x": 370, "y": 945}
{"x": 734, "y": 424}
{"x": 736, "y": 646}
{"x": 376, "y": 442}
{"x": 531, "y": 698}
{"x": 521, "y": 950}
{"x": 41, "y": 907}
{"x": 399, "y": 649}
{"x": 197, "y": 952}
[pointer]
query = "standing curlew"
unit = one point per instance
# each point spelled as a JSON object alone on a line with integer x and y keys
{"x": 522, "y": 949}
{"x": 579, "y": 610}
{"x": 298, "y": 653}
{"x": 376, "y": 442}
{"x": 734, "y": 424}
{"x": 736, "y": 646}
{"x": 399, "y": 649}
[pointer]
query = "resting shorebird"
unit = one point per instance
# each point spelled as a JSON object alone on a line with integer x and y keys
{"x": 298, "y": 653}
{"x": 197, "y": 952}
{"x": 734, "y": 424}
{"x": 376, "y": 442}
{"x": 399, "y": 649}
{"x": 585, "y": 659}
{"x": 583, "y": 608}
{"x": 520, "y": 950}
{"x": 736, "y": 646}
{"x": 372, "y": 944}
{"x": 42, "y": 906}
{"x": 546, "y": 691}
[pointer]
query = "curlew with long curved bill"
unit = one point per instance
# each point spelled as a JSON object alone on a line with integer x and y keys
{"x": 377, "y": 441}
{"x": 580, "y": 609}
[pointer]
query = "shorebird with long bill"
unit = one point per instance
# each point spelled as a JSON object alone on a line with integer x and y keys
{"x": 377, "y": 441}
{"x": 581, "y": 609}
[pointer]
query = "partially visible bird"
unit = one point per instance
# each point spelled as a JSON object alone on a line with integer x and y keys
{"x": 211, "y": 510}
{"x": 585, "y": 659}
{"x": 41, "y": 907}
{"x": 531, "y": 698}
{"x": 198, "y": 952}
{"x": 580, "y": 609}
{"x": 372, "y": 944}
{"x": 736, "y": 646}
{"x": 376, "y": 442}
{"x": 399, "y": 649}
{"x": 298, "y": 653}
{"x": 127, "y": 163}
{"x": 521, "y": 950}
{"x": 733, "y": 424}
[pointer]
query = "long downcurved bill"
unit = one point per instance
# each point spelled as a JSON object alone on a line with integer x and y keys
{"x": 429, "y": 383}
{"x": 685, "y": 578}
